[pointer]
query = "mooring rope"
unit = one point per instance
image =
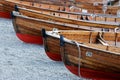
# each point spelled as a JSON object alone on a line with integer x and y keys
{"x": 79, "y": 56}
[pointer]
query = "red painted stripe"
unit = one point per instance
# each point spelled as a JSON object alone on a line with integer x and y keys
{"x": 5, "y": 14}
{"x": 92, "y": 74}
{"x": 53, "y": 56}
{"x": 30, "y": 38}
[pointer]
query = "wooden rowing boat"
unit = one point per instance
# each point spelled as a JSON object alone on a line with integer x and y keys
{"x": 70, "y": 15}
{"x": 9, "y": 5}
{"x": 28, "y": 29}
{"x": 51, "y": 44}
{"x": 92, "y": 60}
{"x": 89, "y": 54}
{"x": 69, "y": 2}
{"x": 66, "y": 19}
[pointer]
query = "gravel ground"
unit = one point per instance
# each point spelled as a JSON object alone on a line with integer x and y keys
{"x": 22, "y": 61}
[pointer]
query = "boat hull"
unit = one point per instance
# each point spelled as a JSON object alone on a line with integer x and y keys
{"x": 30, "y": 38}
{"x": 5, "y": 14}
{"x": 91, "y": 60}
{"x": 92, "y": 74}
{"x": 54, "y": 56}
{"x": 52, "y": 47}
{"x": 97, "y": 68}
